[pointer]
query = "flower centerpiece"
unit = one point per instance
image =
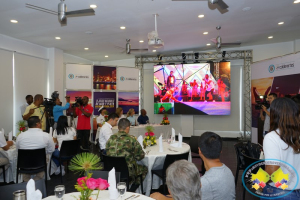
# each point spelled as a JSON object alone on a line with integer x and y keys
{"x": 83, "y": 163}
{"x": 21, "y": 126}
{"x": 165, "y": 120}
{"x": 149, "y": 139}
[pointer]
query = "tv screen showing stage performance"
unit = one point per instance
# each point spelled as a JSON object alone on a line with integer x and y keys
{"x": 193, "y": 89}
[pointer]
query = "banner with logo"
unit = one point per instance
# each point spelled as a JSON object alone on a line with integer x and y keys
{"x": 104, "y": 78}
{"x": 127, "y": 100}
{"x": 78, "y": 77}
{"x": 278, "y": 75}
{"x": 106, "y": 99}
{"x": 128, "y": 79}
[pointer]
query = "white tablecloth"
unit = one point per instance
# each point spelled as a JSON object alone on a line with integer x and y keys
{"x": 155, "y": 160}
{"x": 103, "y": 195}
{"x": 140, "y": 130}
{"x": 11, "y": 172}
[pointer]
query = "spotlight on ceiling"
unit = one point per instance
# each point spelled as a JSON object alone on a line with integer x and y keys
{"x": 196, "y": 58}
{"x": 183, "y": 58}
{"x": 223, "y": 56}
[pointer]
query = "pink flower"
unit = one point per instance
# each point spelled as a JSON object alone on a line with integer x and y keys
{"x": 102, "y": 184}
{"x": 81, "y": 181}
{"x": 146, "y": 133}
{"x": 92, "y": 183}
{"x": 151, "y": 134}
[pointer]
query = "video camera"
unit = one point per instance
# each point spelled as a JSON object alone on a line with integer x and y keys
{"x": 260, "y": 103}
{"x": 78, "y": 100}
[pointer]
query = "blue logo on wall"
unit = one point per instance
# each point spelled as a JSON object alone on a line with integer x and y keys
{"x": 271, "y": 68}
{"x": 71, "y": 76}
{"x": 122, "y": 78}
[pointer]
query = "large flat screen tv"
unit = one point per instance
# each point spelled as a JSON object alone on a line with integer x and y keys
{"x": 192, "y": 89}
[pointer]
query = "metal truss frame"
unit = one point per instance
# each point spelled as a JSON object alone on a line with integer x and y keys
{"x": 245, "y": 55}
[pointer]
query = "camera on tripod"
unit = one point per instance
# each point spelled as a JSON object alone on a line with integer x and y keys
{"x": 78, "y": 100}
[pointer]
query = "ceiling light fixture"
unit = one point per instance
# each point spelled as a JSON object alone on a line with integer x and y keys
{"x": 154, "y": 50}
{"x": 205, "y": 33}
{"x": 93, "y": 6}
{"x": 14, "y": 21}
{"x": 58, "y": 38}
{"x": 200, "y": 16}
{"x": 297, "y": 1}
{"x": 280, "y": 23}
{"x": 208, "y": 44}
{"x": 246, "y": 9}
{"x": 106, "y": 56}
{"x": 86, "y": 48}
{"x": 141, "y": 41}
{"x": 270, "y": 37}
{"x": 122, "y": 27}
{"x": 89, "y": 32}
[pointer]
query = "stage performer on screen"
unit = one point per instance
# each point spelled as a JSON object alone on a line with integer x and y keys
{"x": 184, "y": 91}
{"x": 221, "y": 87}
{"x": 171, "y": 81}
{"x": 195, "y": 86}
{"x": 161, "y": 110}
{"x": 209, "y": 86}
{"x": 170, "y": 94}
{"x": 202, "y": 90}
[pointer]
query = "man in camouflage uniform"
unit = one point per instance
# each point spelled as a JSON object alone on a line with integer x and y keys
{"x": 121, "y": 144}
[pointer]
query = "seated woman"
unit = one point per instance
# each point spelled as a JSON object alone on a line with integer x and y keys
{"x": 131, "y": 117}
{"x": 119, "y": 112}
{"x": 61, "y": 133}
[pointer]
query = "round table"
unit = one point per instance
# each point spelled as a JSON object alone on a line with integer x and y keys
{"x": 103, "y": 195}
{"x": 155, "y": 160}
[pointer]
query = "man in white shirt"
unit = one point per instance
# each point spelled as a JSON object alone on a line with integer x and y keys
{"x": 106, "y": 131}
{"x": 5, "y": 146}
{"x": 35, "y": 138}
{"x": 29, "y": 100}
{"x": 101, "y": 117}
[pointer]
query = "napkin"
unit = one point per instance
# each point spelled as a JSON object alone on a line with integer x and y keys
{"x": 2, "y": 139}
{"x": 31, "y": 193}
{"x": 140, "y": 140}
{"x": 112, "y": 189}
{"x": 179, "y": 143}
{"x": 161, "y": 148}
{"x": 10, "y": 136}
{"x": 173, "y": 135}
{"x": 2, "y": 130}
{"x": 51, "y": 131}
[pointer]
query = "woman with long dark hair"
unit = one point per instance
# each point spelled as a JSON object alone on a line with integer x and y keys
{"x": 283, "y": 143}
{"x": 61, "y": 133}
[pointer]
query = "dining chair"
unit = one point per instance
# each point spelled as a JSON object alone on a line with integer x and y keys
{"x": 194, "y": 144}
{"x": 249, "y": 161}
{"x": 161, "y": 173}
{"x": 31, "y": 161}
{"x": 104, "y": 175}
{"x": 120, "y": 165}
{"x": 245, "y": 148}
{"x": 2, "y": 171}
{"x": 69, "y": 148}
{"x": 6, "y": 192}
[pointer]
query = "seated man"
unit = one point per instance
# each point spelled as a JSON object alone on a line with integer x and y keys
{"x": 122, "y": 144}
{"x": 35, "y": 138}
{"x": 5, "y": 146}
{"x": 217, "y": 174}
{"x": 106, "y": 132}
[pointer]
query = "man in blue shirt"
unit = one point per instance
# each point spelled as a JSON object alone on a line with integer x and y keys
{"x": 58, "y": 109}
{"x": 143, "y": 118}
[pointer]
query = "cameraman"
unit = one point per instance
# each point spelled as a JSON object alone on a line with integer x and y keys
{"x": 58, "y": 109}
{"x": 84, "y": 112}
{"x": 266, "y": 118}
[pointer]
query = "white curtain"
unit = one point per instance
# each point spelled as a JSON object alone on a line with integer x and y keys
{"x": 31, "y": 77}
{"x": 6, "y": 90}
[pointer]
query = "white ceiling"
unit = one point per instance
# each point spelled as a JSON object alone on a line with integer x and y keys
{"x": 178, "y": 24}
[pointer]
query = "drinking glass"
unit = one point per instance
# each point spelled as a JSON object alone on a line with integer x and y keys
{"x": 121, "y": 188}
{"x": 59, "y": 191}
